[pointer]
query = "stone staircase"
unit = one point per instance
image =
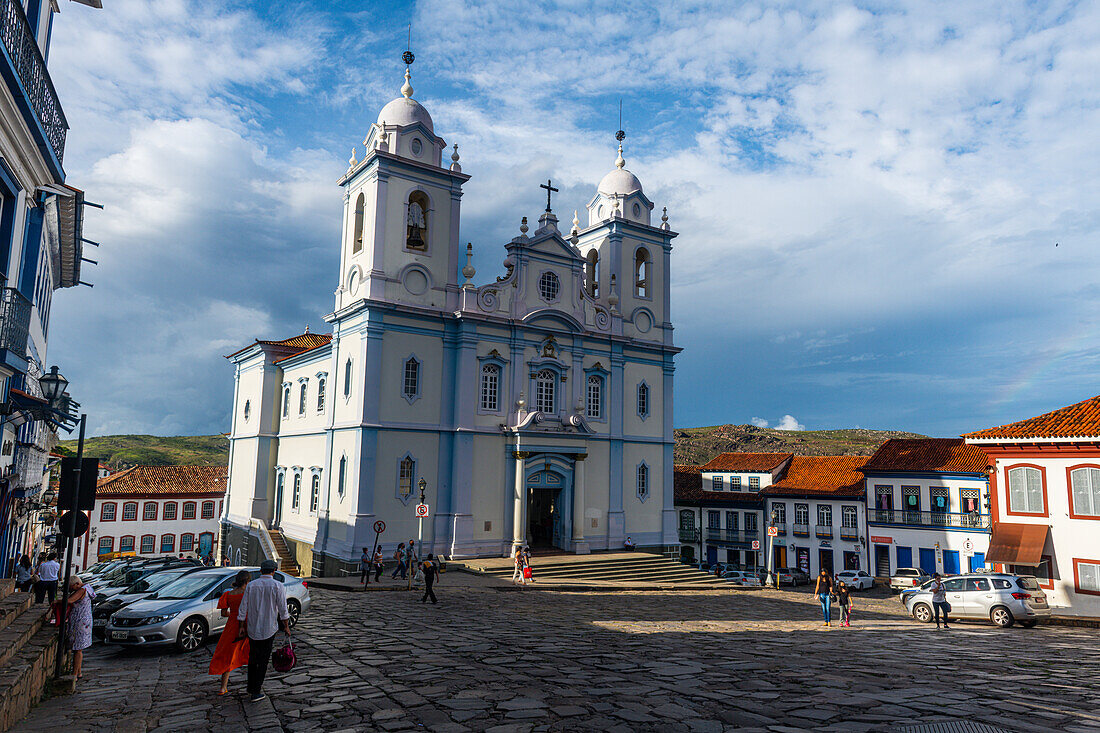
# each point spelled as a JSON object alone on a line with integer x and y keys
{"x": 287, "y": 563}
{"x": 613, "y": 569}
{"x": 28, "y": 648}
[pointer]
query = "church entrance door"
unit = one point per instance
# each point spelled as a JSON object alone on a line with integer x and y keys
{"x": 548, "y": 509}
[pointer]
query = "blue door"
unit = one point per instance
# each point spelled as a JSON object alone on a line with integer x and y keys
{"x": 905, "y": 557}
{"x": 977, "y": 560}
{"x": 928, "y": 560}
{"x": 950, "y": 562}
{"x": 712, "y": 556}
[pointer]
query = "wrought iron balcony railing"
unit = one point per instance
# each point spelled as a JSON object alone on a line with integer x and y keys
{"x": 800, "y": 530}
{"x": 732, "y": 535}
{"x": 824, "y": 530}
{"x": 689, "y": 535}
{"x": 781, "y": 527}
{"x": 849, "y": 533}
{"x": 961, "y": 520}
{"x": 15, "y": 320}
{"x": 18, "y": 39}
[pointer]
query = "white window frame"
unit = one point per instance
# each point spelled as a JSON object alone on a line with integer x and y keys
{"x": 303, "y": 394}
{"x": 1029, "y": 494}
{"x": 641, "y": 488}
{"x": 315, "y": 492}
{"x": 1085, "y": 503}
{"x": 489, "y": 387}
{"x": 824, "y": 515}
{"x": 546, "y": 391}
{"x": 296, "y": 491}
{"x": 322, "y": 386}
{"x": 593, "y": 397}
{"x": 642, "y": 399}
{"x": 411, "y": 377}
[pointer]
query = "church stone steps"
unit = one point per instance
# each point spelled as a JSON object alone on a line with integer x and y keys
{"x": 641, "y": 568}
{"x": 12, "y": 606}
{"x": 25, "y": 673}
{"x": 287, "y": 563}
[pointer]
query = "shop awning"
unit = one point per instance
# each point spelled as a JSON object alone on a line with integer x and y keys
{"x": 1017, "y": 544}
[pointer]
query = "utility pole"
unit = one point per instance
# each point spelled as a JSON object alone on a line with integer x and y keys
{"x": 70, "y": 541}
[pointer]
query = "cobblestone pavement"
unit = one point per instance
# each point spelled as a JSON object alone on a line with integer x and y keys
{"x": 504, "y": 660}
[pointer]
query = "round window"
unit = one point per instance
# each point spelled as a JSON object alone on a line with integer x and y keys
{"x": 549, "y": 285}
{"x": 637, "y": 210}
{"x": 417, "y": 146}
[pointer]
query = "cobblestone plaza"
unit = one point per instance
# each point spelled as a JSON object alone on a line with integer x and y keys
{"x": 490, "y": 658}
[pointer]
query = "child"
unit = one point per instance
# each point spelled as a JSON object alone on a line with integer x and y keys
{"x": 844, "y": 598}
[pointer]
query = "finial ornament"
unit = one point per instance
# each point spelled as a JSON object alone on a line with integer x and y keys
{"x": 406, "y": 89}
{"x": 613, "y": 296}
{"x": 408, "y": 57}
{"x": 523, "y": 226}
{"x": 307, "y": 328}
{"x": 619, "y": 162}
{"x": 619, "y": 134}
{"x": 468, "y": 271}
{"x": 576, "y": 222}
{"x": 454, "y": 160}
{"x": 352, "y": 162}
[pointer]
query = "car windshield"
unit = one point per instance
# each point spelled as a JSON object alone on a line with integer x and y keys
{"x": 1027, "y": 583}
{"x": 153, "y": 582}
{"x": 189, "y": 586}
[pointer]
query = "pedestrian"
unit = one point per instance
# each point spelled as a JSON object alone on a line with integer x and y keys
{"x": 939, "y": 600}
{"x": 180, "y": 557}
{"x": 378, "y": 564}
{"x": 431, "y": 574}
{"x": 844, "y": 599}
{"x": 528, "y": 569}
{"x": 399, "y": 556}
{"x": 79, "y": 629}
{"x": 364, "y": 566}
{"x": 411, "y": 558}
{"x": 517, "y": 574}
{"x": 46, "y": 586}
{"x": 263, "y": 611}
{"x": 824, "y": 592}
{"x": 232, "y": 651}
{"x": 225, "y": 561}
{"x": 628, "y": 544}
{"x": 24, "y": 575}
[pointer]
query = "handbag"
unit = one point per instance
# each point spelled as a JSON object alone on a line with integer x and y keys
{"x": 947, "y": 606}
{"x": 284, "y": 659}
{"x": 527, "y": 572}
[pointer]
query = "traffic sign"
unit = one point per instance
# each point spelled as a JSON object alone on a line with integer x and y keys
{"x": 756, "y": 544}
{"x": 379, "y": 526}
{"x": 968, "y": 545}
{"x": 421, "y": 510}
{"x": 81, "y": 523}
{"x": 773, "y": 531}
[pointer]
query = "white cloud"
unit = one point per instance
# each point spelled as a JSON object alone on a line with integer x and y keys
{"x": 759, "y": 422}
{"x": 787, "y": 422}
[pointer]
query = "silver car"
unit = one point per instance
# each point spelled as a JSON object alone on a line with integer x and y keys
{"x": 185, "y": 612}
{"x": 1002, "y": 598}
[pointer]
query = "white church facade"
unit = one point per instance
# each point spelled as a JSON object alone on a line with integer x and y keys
{"x": 535, "y": 409}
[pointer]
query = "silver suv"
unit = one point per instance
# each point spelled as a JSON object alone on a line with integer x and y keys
{"x": 185, "y": 612}
{"x": 1001, "y": 598}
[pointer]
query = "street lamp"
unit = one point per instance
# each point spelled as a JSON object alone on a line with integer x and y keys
{"x": 415, "y": 574}
{"x": 771, "y": 552}
{"x": 53, "y": 385}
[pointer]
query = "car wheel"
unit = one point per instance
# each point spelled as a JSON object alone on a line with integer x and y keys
{"x": 1002, "y": 617}
{"x": 295, "y": 610}
{"x": 191, "y": 635}
{"x": 1028, "y": 624}
{"x": 922, "y": 612}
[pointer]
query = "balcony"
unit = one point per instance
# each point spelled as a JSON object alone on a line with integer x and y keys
{"x": 689, "y": 535}
{"x": 15, "y": 320}
{"x": 32, "y": 81}
{"x": 849, "y": 533}
{"x": 732, "y": 536}
{"x": 824, "y": 531}
{"x": 800, "y": 530}
{"x": 781, "y": 527}
{"x": 951, "y": 520}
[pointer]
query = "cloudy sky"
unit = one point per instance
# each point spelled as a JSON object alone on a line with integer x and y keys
{"x": 888, "y": 213}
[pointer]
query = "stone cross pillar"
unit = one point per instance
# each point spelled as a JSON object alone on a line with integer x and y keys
{"x": 519, "y": 523}
{"x": 580, "y": 546}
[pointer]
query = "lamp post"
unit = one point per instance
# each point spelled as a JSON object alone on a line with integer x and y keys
{"x": 415, "y": 575}
{"x": 771, "y": 552}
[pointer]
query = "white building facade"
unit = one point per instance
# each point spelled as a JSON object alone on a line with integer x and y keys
{"x": 536, "y": 408}
{"x": 927, "y": 506}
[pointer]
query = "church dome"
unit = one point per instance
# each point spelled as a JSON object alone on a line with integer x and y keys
{"x": 405, "y": 110}
{"x": 620, "y": 181}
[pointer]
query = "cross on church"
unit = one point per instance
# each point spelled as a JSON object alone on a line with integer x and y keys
{"x": 549, "y": 188}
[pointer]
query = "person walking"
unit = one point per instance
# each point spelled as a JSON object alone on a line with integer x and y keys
{"x": 24, "y": 575}
{"x": 364, "y": 566}
{"x": 399, "y": 556}
{"x": 528, "y": 569}
{"x": 48, "y": 570}
{"x": 939, "y": 600}
{"x": 262, "y": 612}
{"x": 517, "y": 574}
{"x": 824, "y": 592}
{"x": 431, "y": 574}
{"x": 844, "y": 600}
{"x": 378, "y": 564}
{"x": 411, "y": 559}
{"x": 232, "y": 651}
{"x": 79, "y": 622}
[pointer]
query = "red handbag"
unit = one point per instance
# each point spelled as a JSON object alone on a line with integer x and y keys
{"x": 527, "y": 572}
{"x": 284, "y": 659}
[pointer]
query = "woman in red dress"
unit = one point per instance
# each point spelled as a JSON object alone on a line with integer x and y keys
{"x": 231, "y": 652}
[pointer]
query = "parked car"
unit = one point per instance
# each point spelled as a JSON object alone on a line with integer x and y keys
{"x": 104, "y": 607}
{"x": 185, "y": 612}
{"x": 135, "y": 573}
{"x": 797, "y": 576}
{"x": 1001, "y": 598}
{"x": 908, "y": 578}
{"x": 741, "y": 577}
{"x": 111, "y": 568}
{"x": 856, "y": 579}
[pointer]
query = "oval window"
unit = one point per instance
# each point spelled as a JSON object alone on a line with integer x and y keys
{"x": 417, "y": 146}
{"x": 637, "y": 210}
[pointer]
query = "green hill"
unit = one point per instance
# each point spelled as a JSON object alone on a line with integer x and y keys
{"x": 699, "y": 445}
{"x": 119, "y": 451}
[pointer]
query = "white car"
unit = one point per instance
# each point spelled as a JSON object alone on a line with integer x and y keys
{"x": 740, "y": 577}
{"x": 856, "y": 579}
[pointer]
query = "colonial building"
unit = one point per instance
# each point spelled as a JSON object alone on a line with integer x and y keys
{"x": 533, "y": 409}
{"x": 157, "y": 510}
{"x": 1045, "y": 491}
{"x": 927, "y": 506}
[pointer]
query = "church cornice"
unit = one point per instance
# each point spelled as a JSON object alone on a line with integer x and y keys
{"x": 381, "y": 159}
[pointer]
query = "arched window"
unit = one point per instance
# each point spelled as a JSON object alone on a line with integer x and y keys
{"x": 643, "y": 400}
{"x": 187, "y": 542}
{"x": 315, "y": 492}
{"x": 106, "y": 545}
{"x": 296, "y": 497}
{"x": 208, "y": 510}
{"x": 411, "y": 385}
{"x": 302, "y": 398}
{"x": 167, "y": 543}
{"x": 149, "y": 511}
{"x": 490, "y": 387}
{"x": 321, "y": 393}
{"x": 594, "y": 399}
{"x": 545, "y": 382}
{"x": 188, "y": 510}
{"x": 170, "y": 508}
{"x": 107, "y": 511}
{"x": 641, "y": 272}
{"x": 148, "y": 544}
{"x": 357, "y": 233}
{"x": 129, "y": 511}
{"x": 643, "y": 481}
{"x": 406, "y": 471}
{"x": 347, "y": 378}
{"x": 416, "y": 222}
{"x": 286, "y": 401}
{"x": 126, "y": 544}
{"x": 342, "y": 476}
{"x": 592, "y": 273}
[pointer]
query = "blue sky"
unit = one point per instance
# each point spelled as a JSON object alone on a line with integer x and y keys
{"x": 868, "y": 196}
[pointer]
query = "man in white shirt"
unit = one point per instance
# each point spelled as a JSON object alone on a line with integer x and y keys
{"x": 263, "y": 612}
{"x": 47, "y": 580}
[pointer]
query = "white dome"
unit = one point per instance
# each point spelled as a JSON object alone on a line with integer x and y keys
{"x": 405, "y": 111}
{"x": 619, "y": 181}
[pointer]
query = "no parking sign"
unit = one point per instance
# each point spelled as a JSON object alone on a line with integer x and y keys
{"x": 421, "y": 510}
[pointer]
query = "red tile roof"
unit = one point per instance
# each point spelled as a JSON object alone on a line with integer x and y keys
{"x": 748, "y": 462}
{"x": 293, "y": 345}
{"x": 687, "y": 482}
{"x": 820, "y": 475}
{"x": 163, "y": 480}
{"x": 928, "y": 454}
{"x": 1081, "y": 420}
